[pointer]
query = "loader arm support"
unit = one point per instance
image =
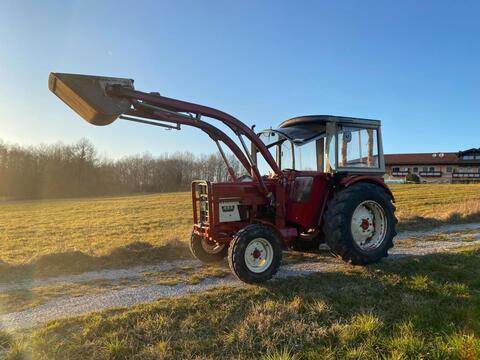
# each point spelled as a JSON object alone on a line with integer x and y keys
{"x": 214, "y": 133}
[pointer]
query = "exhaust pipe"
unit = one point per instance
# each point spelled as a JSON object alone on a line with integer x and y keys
{"x": 87, "y": 96}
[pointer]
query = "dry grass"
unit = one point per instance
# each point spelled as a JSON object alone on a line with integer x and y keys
{"x": 74, "y": 235}
{"x": 30, "y": 229}
{"x": 416, "y": 308}
{"x": 425, "y": 307}
{"x": 423, "y": 206}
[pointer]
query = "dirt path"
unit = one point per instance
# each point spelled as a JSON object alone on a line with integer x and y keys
{"x": 449, "y": 229}
{"x": 406, "y": 244}
{"x": 131, "y": 273}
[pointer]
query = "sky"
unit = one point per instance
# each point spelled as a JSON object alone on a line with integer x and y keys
{"x": 415, "y": 65}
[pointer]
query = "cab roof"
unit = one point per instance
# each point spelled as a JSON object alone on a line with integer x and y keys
{"x": 310, "y": 120}
{"x": 303, "y": 129}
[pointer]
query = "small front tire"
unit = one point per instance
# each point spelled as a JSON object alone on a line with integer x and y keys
{"x": 207, "y": 251}
{"x": 255, "y": 254}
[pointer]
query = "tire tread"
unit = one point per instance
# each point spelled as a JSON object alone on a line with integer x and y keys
{"x": 199, "y": 253}
{"x": 237, "y": 248}
{"x": 337, "y": 223}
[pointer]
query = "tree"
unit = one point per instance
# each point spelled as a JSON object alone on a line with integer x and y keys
{"x": 412, "y": 178}
{"x": 59, "y": 170}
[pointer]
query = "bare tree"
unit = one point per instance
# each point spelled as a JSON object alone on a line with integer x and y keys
{"x": 75, "y": 170}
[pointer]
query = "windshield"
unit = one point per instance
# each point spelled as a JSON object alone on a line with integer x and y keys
{"x": 270, "y": 139}
{"x": 293, "y": 148}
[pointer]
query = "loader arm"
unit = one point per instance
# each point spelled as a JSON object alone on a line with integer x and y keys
{"x": 238, "y": 127}
{"x": 214, "y": 133}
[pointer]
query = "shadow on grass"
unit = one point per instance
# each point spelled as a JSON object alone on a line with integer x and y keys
{"x": 425, "y": 223}
{"x": 425, "y": 307}
{"x": 73, "y": 262}
{"x": 139, "y": 253}
{"x": 418, "y": 307}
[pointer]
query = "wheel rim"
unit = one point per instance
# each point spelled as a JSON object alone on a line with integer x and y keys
{"x": 258, "y": 255}
{"x": 211, "y": 247}
{"x": 369, "y": 225}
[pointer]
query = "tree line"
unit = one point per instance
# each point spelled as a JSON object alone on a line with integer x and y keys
{"x": 77, "y": 170}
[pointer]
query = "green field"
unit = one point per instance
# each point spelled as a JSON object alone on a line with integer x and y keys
{"x": 416, "y": 308}
{"x": 98, "y": 226}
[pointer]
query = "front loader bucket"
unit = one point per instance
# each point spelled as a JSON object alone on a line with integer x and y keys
{"x": 88, "y": 97}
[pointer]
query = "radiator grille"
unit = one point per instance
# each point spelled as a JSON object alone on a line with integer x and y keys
{"x": 203, "y": 203}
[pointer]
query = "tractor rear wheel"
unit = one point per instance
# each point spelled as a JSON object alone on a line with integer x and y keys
{"x": 359, "y": 223}
{"x": 207, "y": 251}
{"x": 255, "y": 253}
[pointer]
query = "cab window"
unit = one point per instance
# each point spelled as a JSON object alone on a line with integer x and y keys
{"x": 306, "y": 157}
{"x": 357, "y": 147}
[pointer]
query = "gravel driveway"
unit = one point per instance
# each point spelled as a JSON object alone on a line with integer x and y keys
{"x": 406, "y": 244}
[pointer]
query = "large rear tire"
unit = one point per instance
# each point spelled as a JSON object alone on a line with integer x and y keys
{"x": 207, "y": 251}
{"x": 359, "y": 223}
{"x": 255, "y": 254}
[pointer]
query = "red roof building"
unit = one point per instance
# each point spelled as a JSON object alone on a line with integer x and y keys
{"x": 450, "y": 167}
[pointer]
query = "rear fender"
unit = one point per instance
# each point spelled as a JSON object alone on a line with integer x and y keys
{"x": 349, "y": 181}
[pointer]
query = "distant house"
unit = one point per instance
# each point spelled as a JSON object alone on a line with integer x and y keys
{"x": 461, "y": 167}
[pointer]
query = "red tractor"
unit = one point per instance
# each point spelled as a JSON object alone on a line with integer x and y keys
{"x": 314, "y": 179}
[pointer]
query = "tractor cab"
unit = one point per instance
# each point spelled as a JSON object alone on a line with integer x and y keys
{"x": 324, "y": 143}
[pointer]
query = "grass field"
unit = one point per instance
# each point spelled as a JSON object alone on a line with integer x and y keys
{"x": 98, "y": 226}
{"x": 29, "y": 229}
{"x": 416, "y": 308}
{"x": 426, "y": 307}
{"x": 423, "y": 206}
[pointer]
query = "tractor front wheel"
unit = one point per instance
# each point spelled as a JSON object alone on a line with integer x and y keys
{"x": 359, "y": 223}
{"x": 255, "y": 254}
{"x": 207, "y": 251}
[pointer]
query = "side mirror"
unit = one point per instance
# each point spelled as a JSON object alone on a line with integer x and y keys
{"x": 88, "y": 97}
